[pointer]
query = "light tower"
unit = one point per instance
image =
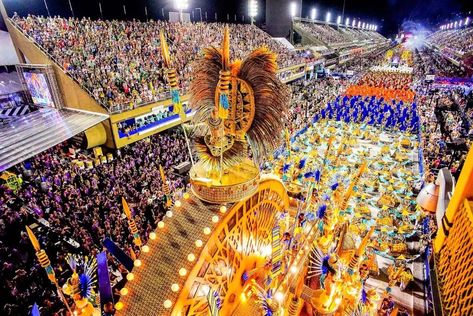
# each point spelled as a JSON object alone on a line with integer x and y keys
{"x": 293, "y": 9}
{"x": 313, "y": 13}
{"x": 252, "y": 10}
{"x": 181, "y": 5}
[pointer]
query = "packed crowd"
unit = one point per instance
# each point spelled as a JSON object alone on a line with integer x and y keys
{"x": 446, "y": 112}
{"x": 324, "y": 33}
{"x": 459, "y": 40}
{"x": 361, "y": 35}
{"x": 309, "y": 97}
{"x": 384, "y": 84}
{"x": 83, "y": 206}
{"x": 447, "y": 117}
{"x": 361, "y": 65}
{"x": 430, "y": 62}
{"x": 120, "y": 63}
{"x": 405, "y": 95}
{"x": 332, "y": 35}
{"x": 386, "y": 79}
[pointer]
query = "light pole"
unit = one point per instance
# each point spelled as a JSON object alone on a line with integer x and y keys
{"x": 100, "y": 10}
{"x": 72, "y": 10}
{"x": 313, "y": 14}
{"x": 47, "y": 8}
{"x": 293, "y": 9}
{"x": 252, "y": 10}
{"x": 328, "y": 17}
{"x": 200, "y": 13}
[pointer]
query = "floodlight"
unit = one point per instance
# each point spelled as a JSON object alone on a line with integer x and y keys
{"x": 353, "y": 23}
{"x": 313, "y": 13}
{"x": 181, "y": 4}
{"x": 339, "y": 19}
{"x": 359, "y": 24}
{"x": 467, "y": 21}
{"x": 455, "y": 25}
{"x": 347, "y": 21}
{"x": 327, "y": 17}
{"x": 293, "y": 9}
{"x": 252, "y": 8}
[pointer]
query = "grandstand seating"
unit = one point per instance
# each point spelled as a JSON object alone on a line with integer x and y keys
{"x": 117, "y": 63}
{"x": 458, "y": 40}
{"x": 334, "y": 36}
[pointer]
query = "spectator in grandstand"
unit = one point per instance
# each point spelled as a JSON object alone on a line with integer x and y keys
{"x": 445, "y": 115}
{"x": 120, "y": 63}
{"x": 81, "y": 204}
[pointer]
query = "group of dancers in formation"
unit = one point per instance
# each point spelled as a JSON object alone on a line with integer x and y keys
{"x": 373, "y": 111}
{"x": 393, "y": 108}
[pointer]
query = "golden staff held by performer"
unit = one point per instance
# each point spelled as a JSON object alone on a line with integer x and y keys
{"x": 46, "y": 264}
{"x": 131, "y": 222}
{"x": 174, "y": 89}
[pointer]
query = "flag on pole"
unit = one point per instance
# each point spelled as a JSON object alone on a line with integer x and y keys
{"x": 166, "y": 190}
{"x": 35, "y": 310}
{"x": 177, "y": 106}
{"x": 103, "y": 278}
{"x": 118, "y": 253}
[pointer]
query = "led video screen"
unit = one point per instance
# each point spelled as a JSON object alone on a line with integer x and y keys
{"x": 38, "y": 87}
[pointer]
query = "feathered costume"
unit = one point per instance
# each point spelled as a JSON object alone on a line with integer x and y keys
{"x": 241, "y": 103}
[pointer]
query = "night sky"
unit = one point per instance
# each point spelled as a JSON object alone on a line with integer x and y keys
{"x": 390, "y": 14}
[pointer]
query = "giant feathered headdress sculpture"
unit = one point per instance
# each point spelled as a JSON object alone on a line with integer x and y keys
{"x": 241, "y": 103}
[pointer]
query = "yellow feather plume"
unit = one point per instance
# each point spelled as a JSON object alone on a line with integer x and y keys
{"x": 165, "y": 49}
{"x": 33, "y": 239}
{"x": 126, "y": 208}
